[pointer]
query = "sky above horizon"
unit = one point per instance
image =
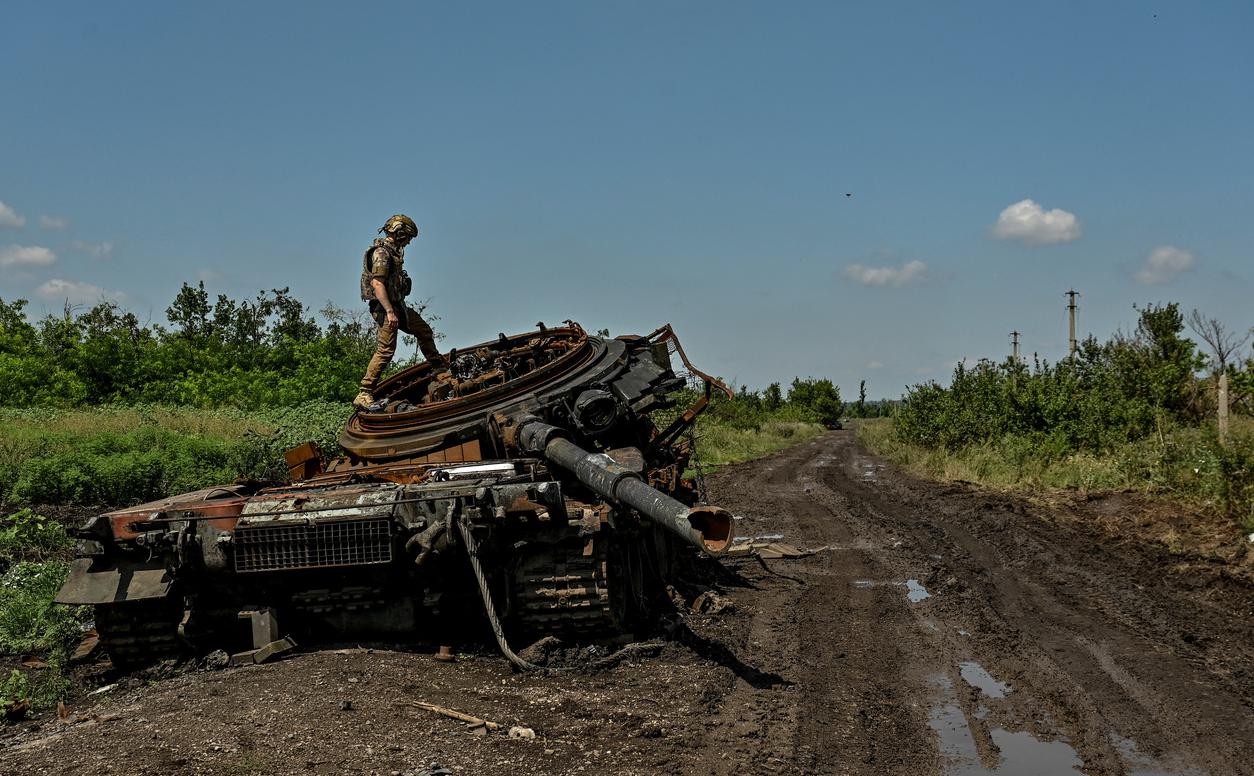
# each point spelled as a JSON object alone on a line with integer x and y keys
{"x": 871, "y": 191}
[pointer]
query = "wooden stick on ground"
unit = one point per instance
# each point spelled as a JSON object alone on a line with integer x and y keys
{"x": 454, "y": 714}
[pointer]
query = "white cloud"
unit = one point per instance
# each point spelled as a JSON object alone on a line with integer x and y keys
{"x": 910, "y": 272}
{"x": 54, "y": 222}
{"x": 1164, "y": 264}
{"x": 874, "y": 365}
{"x": 1027, "y": 221}
{"x": 59, "y": 289}
{"x": 26, "y": 256}
{"x": 100, "y": 250}
{"x": 208, "y": 275}
{"x": 10, "y": 218}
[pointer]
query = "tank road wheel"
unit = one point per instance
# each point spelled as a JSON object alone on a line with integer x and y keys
{"x": 137, "y": 633}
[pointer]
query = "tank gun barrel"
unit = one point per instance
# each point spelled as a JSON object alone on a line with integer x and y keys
{"x": 708, "y": 528}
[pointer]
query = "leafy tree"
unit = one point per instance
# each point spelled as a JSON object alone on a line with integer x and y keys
{"x": 772, "y": 397}
{"x": 818, "y": 395}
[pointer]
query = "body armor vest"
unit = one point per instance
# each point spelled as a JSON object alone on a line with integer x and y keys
{"x": 396, "y": 281}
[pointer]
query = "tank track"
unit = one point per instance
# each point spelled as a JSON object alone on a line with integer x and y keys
{"x": 138, "y": 633}
{"x": 562, "y": 588}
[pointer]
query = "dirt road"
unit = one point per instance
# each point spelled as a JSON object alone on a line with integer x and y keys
{"x": 937, "y": 630}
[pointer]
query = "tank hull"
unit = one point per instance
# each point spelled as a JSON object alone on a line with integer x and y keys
{"x": 377, "y": 542}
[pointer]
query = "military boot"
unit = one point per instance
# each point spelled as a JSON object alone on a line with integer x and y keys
{"x": 365, "y": 401}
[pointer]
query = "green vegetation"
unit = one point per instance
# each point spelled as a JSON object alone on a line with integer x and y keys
{"x": 751, "y": 424}
{"x": 721, "y": 444}
{"x": 232, "y": 358}
{"x": 261, "y": 353}
{"x": 117, "y": 456}
{"x": 1131, "y": 412}
{"x": 34, "y": 553}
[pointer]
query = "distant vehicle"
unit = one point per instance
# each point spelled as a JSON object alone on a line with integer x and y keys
{"x": 834, "y": 425}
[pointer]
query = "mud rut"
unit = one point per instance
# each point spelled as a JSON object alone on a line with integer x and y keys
{"x": 939, "y": 630}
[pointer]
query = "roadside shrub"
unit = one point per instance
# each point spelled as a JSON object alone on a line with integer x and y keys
{"x": 150, "y": 452}
{"x": 25, "y": 535}
{"x": 1106, "y": 395}
{"x": 29, "y": 621}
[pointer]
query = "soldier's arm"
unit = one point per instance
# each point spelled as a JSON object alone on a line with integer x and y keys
{"x": 378, "y": 271}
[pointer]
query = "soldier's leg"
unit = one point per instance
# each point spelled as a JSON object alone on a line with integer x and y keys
{"x": 415, "y": 325}
{"x": 385, "y": 348}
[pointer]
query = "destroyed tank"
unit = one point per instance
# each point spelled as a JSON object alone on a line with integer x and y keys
{"x": 525, "y": 486}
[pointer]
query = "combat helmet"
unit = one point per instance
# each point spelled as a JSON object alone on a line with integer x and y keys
{"x": 400, "y": 225}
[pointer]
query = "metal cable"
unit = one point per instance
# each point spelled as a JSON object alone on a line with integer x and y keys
{"x": 472, "y": 550}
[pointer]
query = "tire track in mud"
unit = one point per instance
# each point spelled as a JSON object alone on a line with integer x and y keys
{"x": 1092, "y": 654}
{"x": 1102, "y": 662}
{"x": 848, "y": 708}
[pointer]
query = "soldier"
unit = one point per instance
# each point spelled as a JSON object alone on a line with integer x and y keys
{"x": 385, "y": 284}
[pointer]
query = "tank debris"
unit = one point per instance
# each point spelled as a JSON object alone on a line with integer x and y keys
{"x": 527, "y": 481}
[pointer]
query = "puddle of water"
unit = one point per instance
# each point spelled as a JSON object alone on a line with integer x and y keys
{"x": 974, "y": 674}
{"x": 957, "y": 748}
{"x": 1022, "y": 754}
{"x": 915, "y": 591}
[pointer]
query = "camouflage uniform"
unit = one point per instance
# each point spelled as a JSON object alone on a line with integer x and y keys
{"x": 385, "y": 261}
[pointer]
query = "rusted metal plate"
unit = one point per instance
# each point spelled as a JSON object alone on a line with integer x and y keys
{"x": 320, "y": 505}
{"x": 113, "y": 583}
{"x": 304, "y": 461}
{"x": 222, "y": 501}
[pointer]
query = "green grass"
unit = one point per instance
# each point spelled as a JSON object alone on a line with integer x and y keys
{"x": 114, "y": 457}
{"x": 34, "y": 560}
{"x": 719, "y": 444}
{"x": 1185, "y": 464}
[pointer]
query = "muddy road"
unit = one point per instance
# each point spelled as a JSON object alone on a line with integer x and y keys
{"x": 936, "y": 630}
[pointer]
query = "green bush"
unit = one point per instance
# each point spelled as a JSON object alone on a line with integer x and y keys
{"x": 1100, "y": 399}
{"x": 69, "y": 459}
{"x": 25, "y": 535}
{"x": 248, "y": 354}
{"x": 29, "y": 621}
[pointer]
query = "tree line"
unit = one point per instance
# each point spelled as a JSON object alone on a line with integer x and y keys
{"x": 1106, "y": 394}
{"x": 250, "y": 353}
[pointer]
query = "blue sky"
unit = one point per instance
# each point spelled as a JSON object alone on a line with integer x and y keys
{"x": 627, "y": 164}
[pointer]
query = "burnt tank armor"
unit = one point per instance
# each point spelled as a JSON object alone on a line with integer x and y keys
{"x": 527, "y": 480}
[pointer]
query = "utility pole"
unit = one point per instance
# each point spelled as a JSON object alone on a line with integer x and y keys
{"x": 1071, "y": 308}
{"x": 1014, "y": 341}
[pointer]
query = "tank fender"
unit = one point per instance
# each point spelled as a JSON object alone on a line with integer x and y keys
{"x": 99, "y": 581}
